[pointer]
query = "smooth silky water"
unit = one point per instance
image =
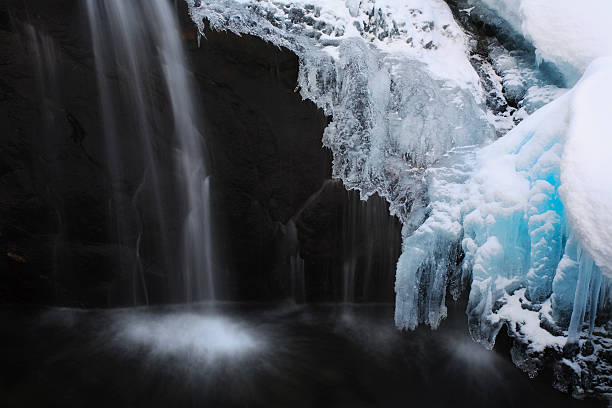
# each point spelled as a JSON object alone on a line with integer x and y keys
{"x": 227, "y": 354}
{"x": 256, "y": 355}
{"x": 139, "y": 43}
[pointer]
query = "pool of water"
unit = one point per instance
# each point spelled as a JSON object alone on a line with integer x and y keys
{"x": 254, "y": 355}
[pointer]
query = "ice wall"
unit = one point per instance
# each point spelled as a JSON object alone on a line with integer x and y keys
{"x": 410, "y": 116}
{"x": 533, "y": 213}
{"x": 395, "y": 78}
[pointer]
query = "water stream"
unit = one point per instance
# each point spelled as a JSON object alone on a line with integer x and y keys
{"x": 141, "y": 68}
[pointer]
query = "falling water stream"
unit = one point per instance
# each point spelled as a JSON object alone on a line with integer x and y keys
{"x": 46, "y": 56}
{"x": 291, "y": 250}
{"x": 141, "y": 68}
{"x": 224, "y": 354}
{"x": 366, "y": 224}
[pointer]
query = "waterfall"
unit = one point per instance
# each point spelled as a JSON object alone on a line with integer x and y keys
{"x": 290, "y": 249}
{"x": 296, "y": 264}
{"x": 368, "y": 249}
{"x": 143, "y": 80}
{"x": 350, "y": 231}
{"x": 46, "y": 57}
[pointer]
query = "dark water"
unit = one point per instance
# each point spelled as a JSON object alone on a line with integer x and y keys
{"x": 244, "y": 355}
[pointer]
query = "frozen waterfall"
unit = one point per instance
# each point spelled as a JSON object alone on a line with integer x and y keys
{"x": 416, "y": 104}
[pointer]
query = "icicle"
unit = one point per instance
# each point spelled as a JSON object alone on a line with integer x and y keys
{"x": 595, "y": 289}
{"x": 538, "y": 58}
{"x": 581, "y": 297}
{"x": 603, "y": 293}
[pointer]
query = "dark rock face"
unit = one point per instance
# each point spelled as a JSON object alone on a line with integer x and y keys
{"x": 266, "y": 153}
{"x": 268, "y": 163}
{"x": 52, "y": 203}
{"x": 59, "y": 205}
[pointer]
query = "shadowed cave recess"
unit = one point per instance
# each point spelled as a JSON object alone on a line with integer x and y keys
{"x": 187, "y": 166}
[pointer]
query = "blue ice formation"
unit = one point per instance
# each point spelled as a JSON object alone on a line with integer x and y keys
{"x": 409, "y": 122}
{"x": 510, "y": 219}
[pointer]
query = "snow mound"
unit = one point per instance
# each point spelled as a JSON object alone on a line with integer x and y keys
{"x": 566, "y": 33}
{"x": 586, "y": 167}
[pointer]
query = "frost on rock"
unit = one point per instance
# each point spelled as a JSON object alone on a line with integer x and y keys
{"x": 394, "y": 76}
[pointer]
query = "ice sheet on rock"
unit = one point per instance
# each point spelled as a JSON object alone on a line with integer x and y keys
{"x": 394, "y": 76}
{"x": 527, "y": 217}
{"x": 567, "y": 33}
{"x": 523, "y": 201}
{"x": 525, "y": 86}
{"x": 515, "y": 85}
{"x": 408, "y": 123}
{"x": 431, "y": 256}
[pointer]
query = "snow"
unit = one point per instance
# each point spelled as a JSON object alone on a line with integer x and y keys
{"x": 529, "y": 322}
{"x": 525, "y": 220}
{"x": 586, "y": 188}
{"x": 573, "y": 365}
{"x": 395, "y": 76}
{"x": 423, "y": 30}
{"x": 533, "y": 217}
{"x": 567, "y": 33}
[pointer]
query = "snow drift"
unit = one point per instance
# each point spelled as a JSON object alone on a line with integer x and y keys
{"x": 566, "y": 33}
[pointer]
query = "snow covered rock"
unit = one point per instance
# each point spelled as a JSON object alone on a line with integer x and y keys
{"x": 566, "y": 33}
{"x": 525, "y": 221}
{"x": 394, "y": 76}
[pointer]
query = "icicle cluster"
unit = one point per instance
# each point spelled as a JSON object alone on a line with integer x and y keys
{"x": 410, "y": 117}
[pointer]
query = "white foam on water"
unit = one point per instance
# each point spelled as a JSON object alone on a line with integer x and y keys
{"x": 189, "y": 334}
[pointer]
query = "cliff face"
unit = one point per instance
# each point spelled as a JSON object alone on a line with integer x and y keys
{"x": 59, "y": 203}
